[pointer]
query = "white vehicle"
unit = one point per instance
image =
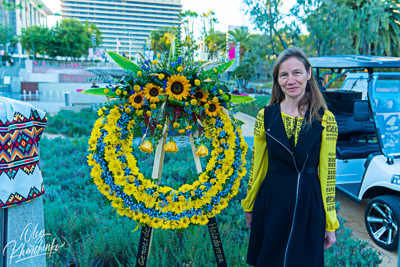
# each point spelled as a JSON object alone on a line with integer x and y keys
{"x": 367, "y": 111}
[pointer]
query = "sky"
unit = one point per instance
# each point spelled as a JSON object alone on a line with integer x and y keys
{"x": 228, "y": 12}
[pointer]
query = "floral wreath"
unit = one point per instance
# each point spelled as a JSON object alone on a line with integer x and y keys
{"x": 173, "y": 95}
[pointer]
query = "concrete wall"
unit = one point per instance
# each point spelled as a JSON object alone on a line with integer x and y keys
{"x": 42, "y": 77}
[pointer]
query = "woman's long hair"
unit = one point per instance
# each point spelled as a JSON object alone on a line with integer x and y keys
{"x": 312, "y": 98}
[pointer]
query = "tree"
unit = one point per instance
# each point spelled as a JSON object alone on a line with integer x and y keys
{"x": 72, "y": 38}
{"x": 7, "y": 35}
{"x": 36, "y": 39}
{"x": 381, "y": 17}
{"x": 208, "y": 20}
{"x": 216, "y": 43}
{"x": 162, "y": 38}
{"x": 266, "y": 16}
{"x": 329, "y": 23}
{"x": 242, "y": 36}
{"x": 187, "y": 17}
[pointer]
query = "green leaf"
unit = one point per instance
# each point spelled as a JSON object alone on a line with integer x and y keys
{"x": 237, "y": 99}
{"x": 123, "y": 62}
{"x": 98, "y": 91}
{"x": 220, "y": 69}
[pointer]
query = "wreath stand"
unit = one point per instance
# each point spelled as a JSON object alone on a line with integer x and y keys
{"x": 146, "y": 234}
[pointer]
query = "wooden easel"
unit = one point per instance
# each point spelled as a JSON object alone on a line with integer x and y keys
{"x": 146, "y": 234}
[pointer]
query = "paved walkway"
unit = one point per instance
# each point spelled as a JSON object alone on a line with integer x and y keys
{"x": 248, "y": 126}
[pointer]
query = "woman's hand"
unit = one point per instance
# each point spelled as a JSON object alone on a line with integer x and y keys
{"x": 330, "y": 238}
{"x": 248, "y": 216}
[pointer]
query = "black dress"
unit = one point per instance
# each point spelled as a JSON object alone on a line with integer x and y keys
{"x": 288, "y": 224}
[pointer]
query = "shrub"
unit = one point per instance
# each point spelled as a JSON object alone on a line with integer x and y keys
{"x": 72, "y": 124}
{"x": 252, "y": 108}
{"x": 77, "y": 214}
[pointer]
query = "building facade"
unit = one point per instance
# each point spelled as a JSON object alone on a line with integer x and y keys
{"x": 30, "y": 13}
{"x": 125, "y": 24}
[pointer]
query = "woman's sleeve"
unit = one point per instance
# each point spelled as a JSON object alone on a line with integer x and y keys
{"x": 259, "y": 163}
{"x": 327, "y": 169}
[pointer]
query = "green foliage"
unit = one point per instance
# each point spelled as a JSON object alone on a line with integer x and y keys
{"x": 161, "y": 39}
{"x": 252, "y": 108}
{"x": 72, "y": 124}
{"x": 6, "y": 35}
{"x": 124, "y": 63}
{"x": 72, "y": 38}
{"x": 242, "y": 36}
{"x": 243, "y": 73}
{"x": 36, "y": 39}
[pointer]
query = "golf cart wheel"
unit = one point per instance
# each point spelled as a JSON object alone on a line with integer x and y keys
{"x": 382, "y": 217}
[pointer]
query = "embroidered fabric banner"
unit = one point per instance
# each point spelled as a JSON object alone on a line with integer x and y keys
{"x": 21, "y": 126}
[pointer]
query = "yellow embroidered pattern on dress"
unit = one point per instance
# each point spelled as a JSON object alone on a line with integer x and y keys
{"x": 292, "y": 126}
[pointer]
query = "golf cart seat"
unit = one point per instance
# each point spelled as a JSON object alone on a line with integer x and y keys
{"x": 350, "y": 132}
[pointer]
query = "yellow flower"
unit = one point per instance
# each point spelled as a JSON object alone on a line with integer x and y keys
{"x": 100, "y": 112}
{"x": 128, "y": 110}
{"x": 176, "y": 125}
{"x": 171, "y": 98}
{"x": 213, "y": 181}
{"x": 221, "y": 92}
{"x": 178, "y": 87}
{"x": 182, "y": 198}
{"x": 148, "y": 113}
{"x": 202, "y": 151}
{"x": 106, "y": 90}
{"x": 201, "y": 61}
{"x": 155, "y": 61}
{"x": 181, "y": 131}
{"x": 213, "y": 109}
{"x": 139, "y": 73}
{"x": 141, "y": 187}
{"x": 197, "y": 82}
{"x": 206, "y": 106}
{"x": 222, "y": 141}
{"x": 152, "y": 92}
{"x": 179, "y": 69}
{"x": 201, "y": 96}
{"x": 139, "y": 112}
{"x": 146, "y": 147}
{"x": 215, "y": 99}
{"x": 125, "y": 92}
{"x": 159, "y": 126}
{"x": 136, "y": 100}
{"x": 136, "y": 88}
{"x": 189, "y": 127}
{"x": 202, "y": 187}
{"x": 193, "y": 102}
{"x": 118, "y": 92}
{"x": 161, "y": 76}
{"x": 215, "y": 70}
{"x": 153, "y": 106}
{"x": 158, "y": 56}
{"x": 171, "y": 147}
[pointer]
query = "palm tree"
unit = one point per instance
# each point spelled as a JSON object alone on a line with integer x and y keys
{"x": 387, "y": 27}
{"x": 240, "y": 35}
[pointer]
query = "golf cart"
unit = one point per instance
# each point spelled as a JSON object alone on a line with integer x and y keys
{"x": 367, "y": 111}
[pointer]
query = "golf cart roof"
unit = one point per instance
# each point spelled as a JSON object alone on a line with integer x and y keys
{"x": 354, "y": 61}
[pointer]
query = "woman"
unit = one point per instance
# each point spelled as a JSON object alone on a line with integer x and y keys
{"x": 290, "y": 203}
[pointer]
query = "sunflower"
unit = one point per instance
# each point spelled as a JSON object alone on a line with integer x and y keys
{"x": 213, "y": 109}
{"x": 137, "y": 100}
{"x": 201, "y": 96}
{"x": 178, "y": 87}
{"x": 152, "y": 92}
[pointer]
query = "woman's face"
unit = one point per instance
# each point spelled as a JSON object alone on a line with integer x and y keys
{"x": 293, "y": 77}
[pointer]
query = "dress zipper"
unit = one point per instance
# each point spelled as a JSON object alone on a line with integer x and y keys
{"x": 297, "y": 193}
